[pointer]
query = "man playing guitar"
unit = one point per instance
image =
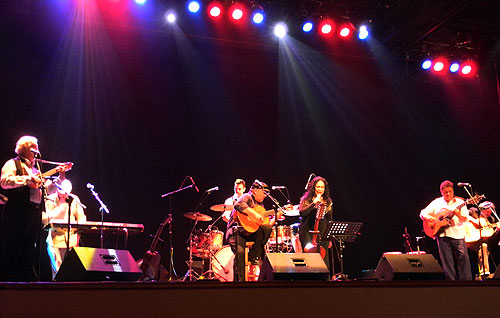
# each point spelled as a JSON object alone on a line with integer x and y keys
{"x": 249, "y": 222}
{"x": 22, "y": 214}
{"x": 451, "y": 238}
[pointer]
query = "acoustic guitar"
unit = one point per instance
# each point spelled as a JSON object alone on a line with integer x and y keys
{"x": 250, "y": 223}
{"x": 150, "y": 263}
{"x": 442, "y": 219}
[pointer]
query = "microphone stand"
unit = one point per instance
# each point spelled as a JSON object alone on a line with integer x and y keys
{"x": 102, "y": 209}
{"x": 276, "y": 219}
{"x": 171, "y": 268}
{"x": 476, "y": 204}
{"x": 41, "y": 232}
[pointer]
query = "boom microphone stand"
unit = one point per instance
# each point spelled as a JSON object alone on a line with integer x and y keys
{"x": 102, "y": 209}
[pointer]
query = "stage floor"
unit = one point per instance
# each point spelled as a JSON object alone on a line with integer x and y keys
{"x": 255, "y": 299}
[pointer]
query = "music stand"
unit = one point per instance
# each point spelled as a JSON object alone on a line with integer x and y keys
{"x": 342, "y": 232}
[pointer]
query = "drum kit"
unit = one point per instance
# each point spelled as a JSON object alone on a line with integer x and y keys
{"x": 208, "y": 246}
{"x": 218, "y": 259}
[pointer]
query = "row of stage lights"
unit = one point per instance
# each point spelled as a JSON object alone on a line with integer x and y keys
{"x": 238, "y": 13}
{"x": 443, "y": 66}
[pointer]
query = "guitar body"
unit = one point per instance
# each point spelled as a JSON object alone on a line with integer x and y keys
{"x": 314, "y": 246}
{"x": 474, "y": 232}
{"x": 438, "y": 224}
{"x": 250, "y": 223}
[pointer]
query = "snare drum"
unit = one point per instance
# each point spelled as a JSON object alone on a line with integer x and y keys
{"x": 216, "y": 240}
{"x": 284, "y": 234}
{"x": 222, "y": 264}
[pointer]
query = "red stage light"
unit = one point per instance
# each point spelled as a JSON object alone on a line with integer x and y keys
{"x": 237, "y": 12}
{"x": 346, "y": 30}
{"x": 439, "y": 65}
{"x": 215, "y": 10}
{"x": 468, "y": 69}
{"x": 326, "y": 27}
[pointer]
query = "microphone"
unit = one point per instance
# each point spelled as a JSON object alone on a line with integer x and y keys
{"x": 90, "y": 186}
{"x": 194, "y": 184}
{"x": 463, "y": 184}
{"x": 212, "y": 189}
{"x": 309, "y": 180}
{"x": 36, "y": 152}
{"x": 278, "y": 187}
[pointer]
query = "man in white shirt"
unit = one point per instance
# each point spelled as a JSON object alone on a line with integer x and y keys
{"x": 239, "y": 189}
{"x": 451, "y": 241}
{"x": 57, "y": 207}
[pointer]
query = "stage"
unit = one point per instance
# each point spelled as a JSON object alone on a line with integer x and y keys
{"x": 283, "y": 299}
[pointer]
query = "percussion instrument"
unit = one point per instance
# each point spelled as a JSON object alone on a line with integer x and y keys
{"x": 197, "y": 216}
{"x": 222, "y": 264}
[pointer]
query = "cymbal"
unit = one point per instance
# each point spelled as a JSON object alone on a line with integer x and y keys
{"x": 197, "y": 216}
{"x": 221, "y": 207}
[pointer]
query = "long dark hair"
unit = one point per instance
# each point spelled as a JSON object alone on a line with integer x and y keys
{"x": 311, "y": 191}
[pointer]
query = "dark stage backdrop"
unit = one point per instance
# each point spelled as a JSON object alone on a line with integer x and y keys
{"x": 137, "y": 109}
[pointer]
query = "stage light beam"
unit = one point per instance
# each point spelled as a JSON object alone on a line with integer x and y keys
{"x": 363, "y": 32}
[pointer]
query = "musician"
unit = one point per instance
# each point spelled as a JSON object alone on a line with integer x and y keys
{"x": 22, "y": 214}
{"x": 317, "y": 194}
{"x": 237, "y": 238}
{"x": 451, "y": 241}
{"x": 239, "y": 189}
{"x": 57, "y": 206}
{"x": 483, "y": 237}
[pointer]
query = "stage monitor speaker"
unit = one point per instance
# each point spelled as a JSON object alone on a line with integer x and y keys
{"x": 96, "y": 264}
{"x": 293, "y": 266}
{"x": 408, "y": 267}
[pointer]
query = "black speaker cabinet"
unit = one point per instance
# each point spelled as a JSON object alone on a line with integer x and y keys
{"x": 408, "y": 267}
{"x": 95, "y": 264}
{"x": 293, "y": 266}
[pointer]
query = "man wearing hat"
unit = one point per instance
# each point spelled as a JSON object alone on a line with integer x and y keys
{"x": 249, "y": 223}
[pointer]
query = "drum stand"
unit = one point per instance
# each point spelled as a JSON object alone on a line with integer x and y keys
{"x": 210, "y": 274}
{"x": 191, "y": 275}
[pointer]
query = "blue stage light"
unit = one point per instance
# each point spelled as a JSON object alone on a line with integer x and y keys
{"x": 194, "y": 6}
{"x": 426, "y": 64}
{"x": 307, "y": 27}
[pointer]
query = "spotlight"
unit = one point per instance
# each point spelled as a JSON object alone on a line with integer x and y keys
{"x": 363, "y": 32}
{"x": 194, "y": 6}
{"x": 307, "y": 27}
{"x": 214, "y": 9}
{"x": 438, "y": 66}
{"x": 237, "y": 12}
{"x": 468, "y": 69}
{"x": 426, "y": 64}
{"x": 280, "y": 30}
{"x": 454, "y": 67}
{"x": 326, "y": 27}
{"x": 258, "y": 17}
{"x": 345, "y": 31}
{"x": 140, "y": 1}
{"x": 170, "y": 17}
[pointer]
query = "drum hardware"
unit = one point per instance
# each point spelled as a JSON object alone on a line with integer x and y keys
{"x": 221, "y": 207}
{"x": 197, "y": 216}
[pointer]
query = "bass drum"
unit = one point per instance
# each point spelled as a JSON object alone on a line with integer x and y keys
{"x": 222, "y": 264}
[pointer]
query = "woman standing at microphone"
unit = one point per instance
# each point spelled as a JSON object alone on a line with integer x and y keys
{"x": 315, "y": 210}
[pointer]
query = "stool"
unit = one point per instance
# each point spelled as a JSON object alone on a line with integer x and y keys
{"x": 251, "y": 271}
